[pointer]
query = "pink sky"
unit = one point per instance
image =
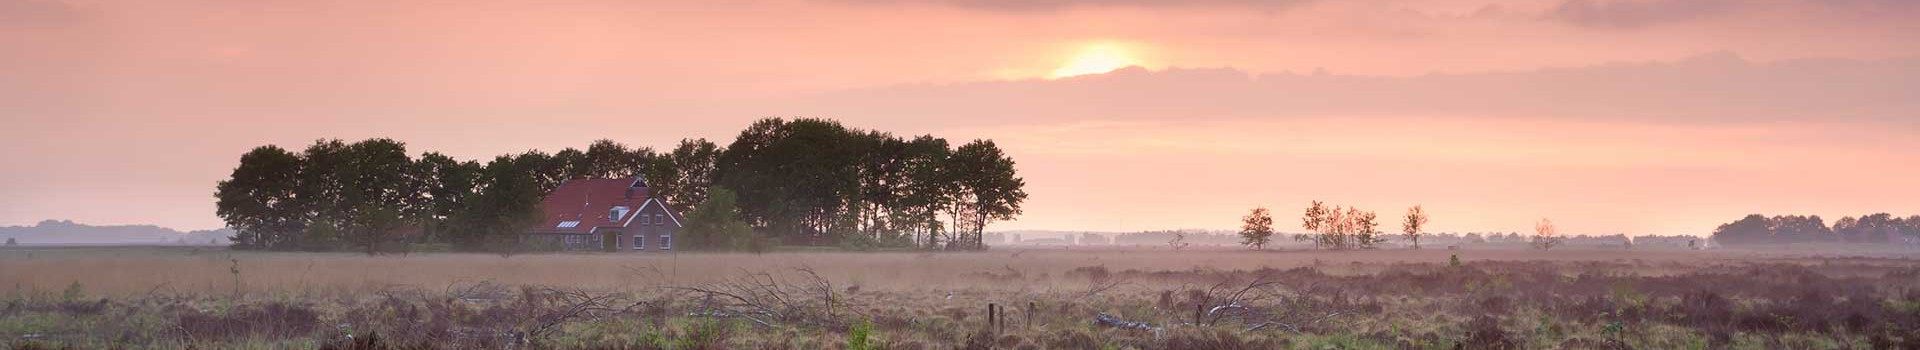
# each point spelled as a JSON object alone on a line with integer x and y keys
{"x": 1609, "y": 116}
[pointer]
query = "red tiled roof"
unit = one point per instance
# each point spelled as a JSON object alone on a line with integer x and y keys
{"x": 591, "y": 202}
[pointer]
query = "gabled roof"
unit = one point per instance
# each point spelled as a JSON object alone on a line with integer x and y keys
{"x": 580, "y": 206}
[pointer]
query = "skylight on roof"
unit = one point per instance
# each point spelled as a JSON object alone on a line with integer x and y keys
{"x": 568, "y": 224}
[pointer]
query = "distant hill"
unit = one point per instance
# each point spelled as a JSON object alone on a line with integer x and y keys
{"x": 67, "y": 232}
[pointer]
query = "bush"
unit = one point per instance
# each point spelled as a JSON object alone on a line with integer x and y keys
{"x": 1484, "y": 333}
{"x": 857, "y": 336}
{"x": 717, "y": 225}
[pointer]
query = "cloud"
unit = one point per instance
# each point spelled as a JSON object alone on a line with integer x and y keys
{"x": 1054, "y": 5}
{"x": 1715, "y": 88}
{"x": 1635, "y": 13}
{"x": 36, "y": 13}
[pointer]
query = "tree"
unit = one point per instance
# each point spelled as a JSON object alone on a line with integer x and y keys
{"x": 1256, "y": 229}
{"x": 1910, "y": 228}
{"x": 1340, "y": 228}
{"x": 507, "y": 203}
{"x": 926, "y": 192}
{"x": 1545, "y": 236}
{"x": 715, "y": 224}
{"x": 812, "y": 180}
{"x": 793, "y": 178}
{"x": 608, "y": 159}
{"x": 815, "y": 180}
{"x": 445, "y": 186}
{"x": 694, "y": 160}
{"x": 1315, "y": 220}
{"x": 322, "y": 194}
{"x": 1750, "y": 229}
{"x": 1874, "y": 228}
{"x": 988, "y": 187}
{"x": 260, "y": 200}
{"x": 1415, "y": 220}
{"x": 376, "y": 192}
{"x": 1365, "y": 229}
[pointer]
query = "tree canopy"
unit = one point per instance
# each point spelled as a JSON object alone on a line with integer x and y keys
{"x": 805, "y": 181}
{"x": 1871, "y": 228}
{"x": 815, "y": 181}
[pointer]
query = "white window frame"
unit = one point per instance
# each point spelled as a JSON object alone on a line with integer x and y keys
{"x": 666, "y": 242}
{"x": 639, "y": 242}
{"x": 618, "y": 212}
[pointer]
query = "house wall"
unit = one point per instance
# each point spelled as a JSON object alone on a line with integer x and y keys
{"x": 566, "y": 241}
{"x": 655, "y": 227}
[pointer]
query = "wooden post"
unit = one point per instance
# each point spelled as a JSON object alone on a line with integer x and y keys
{"x": 990, "y": 316}
{"x": 1030, "y": 307}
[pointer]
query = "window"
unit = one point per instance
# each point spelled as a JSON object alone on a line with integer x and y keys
{"x": 617, "y": 213}
{"x": 575, "y": 241}
{"x": 659, "y": 219}
{"x": 639, "y": 242}
{"x": 568, "y": 224}
{"x": 666, "y": 242}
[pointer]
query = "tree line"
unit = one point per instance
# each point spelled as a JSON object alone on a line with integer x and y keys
{"x": 815, "y": 180}
{"x": 1350, "y": 228}
{"x": 805, "y": 181}
{"x": 1332, "y": 227}
{"x": 1873, "y": 228}
{"x": 373, "y": 195}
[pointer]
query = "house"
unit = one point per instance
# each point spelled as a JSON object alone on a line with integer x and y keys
{"x": 606, "y": 215}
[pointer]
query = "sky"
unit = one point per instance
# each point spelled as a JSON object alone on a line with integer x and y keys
{"x": 1607, "y": 116}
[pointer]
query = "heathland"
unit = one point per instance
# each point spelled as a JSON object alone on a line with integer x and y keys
{"x": 1799, "y": 296}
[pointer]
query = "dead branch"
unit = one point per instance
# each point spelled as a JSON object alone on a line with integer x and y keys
{"x": 764, "y": 298}
{"x": 1104, "y": 319}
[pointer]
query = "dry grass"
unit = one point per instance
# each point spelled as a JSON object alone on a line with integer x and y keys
{"x": 128, "y": 271}
{"x": 167, "y": 297}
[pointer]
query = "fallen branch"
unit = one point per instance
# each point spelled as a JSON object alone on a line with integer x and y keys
{"x": 1104, "y": 319}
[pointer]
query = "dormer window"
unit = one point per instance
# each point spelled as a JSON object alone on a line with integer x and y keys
{"x": 617, "y": 212}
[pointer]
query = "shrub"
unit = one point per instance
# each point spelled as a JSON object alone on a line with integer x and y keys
{"x": 1484, "y": 333}
{"x": 857, "y": 336}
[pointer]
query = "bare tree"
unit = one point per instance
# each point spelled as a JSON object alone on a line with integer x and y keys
{"x": 1545, "y": 236}
{"x": 1416, "y": 220}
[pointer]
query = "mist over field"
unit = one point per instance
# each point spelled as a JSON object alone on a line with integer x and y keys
{"x": 960, "y": 174}
{"x": 66, "y": 232}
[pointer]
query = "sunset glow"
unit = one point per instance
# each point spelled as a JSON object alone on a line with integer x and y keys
{"x": 1096, "y": 59}
{"x": 1490, "y": 113}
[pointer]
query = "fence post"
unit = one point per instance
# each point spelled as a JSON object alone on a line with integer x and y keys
{"x": 990, "y": 316}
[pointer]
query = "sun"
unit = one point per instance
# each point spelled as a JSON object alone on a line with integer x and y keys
{"x": 1095, "y": 59}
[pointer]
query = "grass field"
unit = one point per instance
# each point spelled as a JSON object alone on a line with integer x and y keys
{"x": 1793, "y": 297}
